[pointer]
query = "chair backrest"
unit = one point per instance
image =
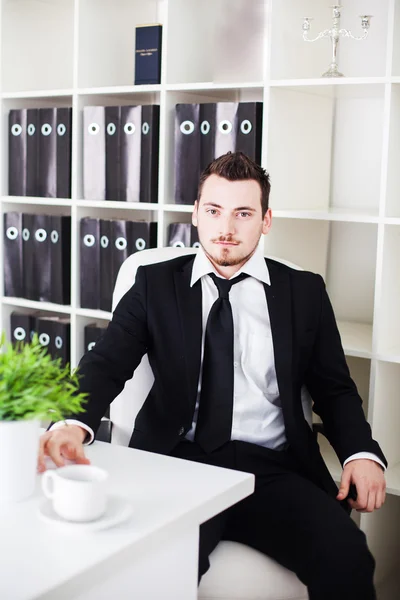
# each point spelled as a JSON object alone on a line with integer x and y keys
{"x": 125, "y": 407}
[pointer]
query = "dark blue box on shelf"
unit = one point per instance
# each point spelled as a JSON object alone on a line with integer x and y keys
{"x": 148, "y": 54}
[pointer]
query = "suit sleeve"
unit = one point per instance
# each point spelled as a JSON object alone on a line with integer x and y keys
{"x": 112, "y": 361}
{"x": 333, "y": 391}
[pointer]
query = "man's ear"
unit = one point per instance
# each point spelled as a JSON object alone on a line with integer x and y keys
{"x": 194, "y": 213}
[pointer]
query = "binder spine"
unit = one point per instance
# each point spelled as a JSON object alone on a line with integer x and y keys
{"x": 17, "y": 152}
{"x": 94, "y": 153}
{"x": 178, "y": 235}
{"x": 13, "y": 265}
{"x": 113, "y": 127}
{"x": 60, "y": 259}
{"x": 249, "y": 130}
{"x": 22, "y": 327}
{"x": 225, "y": 134}
{"x": 47, "y": 172}
{"x": 64, "y": 137}
{"x": 130, "y": 163}
{"x": 121, "y": 235}
{"x": 150, "y": 140}
{"x": 187, "y": 153}
{"x": 42, "y": 256}
{"x": 32, "y": 151}
{"x": 106, "y": 258}
{"x": 29, "y": 276}
{"x": 90, "y": 263}
{"x": 208, "y": 115}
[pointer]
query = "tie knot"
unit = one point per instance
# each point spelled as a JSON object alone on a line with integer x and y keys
{"x": 224, "y": 285}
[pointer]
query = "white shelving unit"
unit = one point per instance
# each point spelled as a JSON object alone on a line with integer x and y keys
{"x": 332, "y": 148}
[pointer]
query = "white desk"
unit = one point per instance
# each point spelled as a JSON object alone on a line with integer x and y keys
{"x": 152, "y": 556}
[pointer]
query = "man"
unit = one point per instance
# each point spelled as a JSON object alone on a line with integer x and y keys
{"x": 232, "y": 340}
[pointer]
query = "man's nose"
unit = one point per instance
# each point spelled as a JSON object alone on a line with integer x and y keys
{"x": 227, "y": 226}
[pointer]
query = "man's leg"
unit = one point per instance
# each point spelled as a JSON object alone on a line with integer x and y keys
{"x": 293, "y": 521}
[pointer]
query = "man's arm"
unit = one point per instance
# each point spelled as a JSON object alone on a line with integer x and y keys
{"x": 104, "y": 370}
{"x": 334, "y": 393}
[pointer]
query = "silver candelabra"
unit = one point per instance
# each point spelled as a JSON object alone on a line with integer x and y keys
{"x": 335, "y": 33}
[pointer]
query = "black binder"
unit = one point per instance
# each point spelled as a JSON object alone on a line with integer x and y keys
{"x": 150, "y": 138}
{"x": 143, "y": 235}
{"x": 13, "y": 265}
{"x": 17, "y": 150}
{"x": 94, "y": 153}
{"x": 208, "y": 115}
{"x": 54, "y": 335}
{"x": 113, "y": 129}
{"x": 47, "y": 172}
{"x": 178, "y": 235}
{"x": 106, "y": 261}
{"x": 22, "y": 327}
{"x": 187, "y": 152}
{"x": 121, "y": 243}
{"x": 42, "y": 268}
{"x": 32, "y": 151}
{"x": 92, "y": 334}
{"x": 60, "y": 259}
{"x": 29, "y": 279}
{"x": 249, "y": 129}
{"x": 194, "y": 237}
{"x": 226, "y": 128}
{"x": 90, "y": 263}
{"x": 64, "y": 137}
{"x": 131, "y": 120}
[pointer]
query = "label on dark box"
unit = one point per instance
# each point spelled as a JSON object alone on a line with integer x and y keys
{"x": 148, "y": 54}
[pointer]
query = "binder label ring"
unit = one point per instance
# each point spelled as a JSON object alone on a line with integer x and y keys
{"x": 140, "y": 244}
{"x": 205, "y": 127}
{"x": 54, "y": 236}
{"x": 246, "y": 127}
{"x": 93, "y": 128}
{"x": 44, "y": 339}
{"x": 104, "y": 241}
{"x": 16, "y": 129}
{"x": 187, "y": 127}
{"x": 129, "y": 128}
{"x": 12, "y": 233}
{"x": 121, "y": 243}
{"x": 178, "y": 244}
{"x": 145, "y": 128}
{"x": 46, "y": 129}
{"x": 26, "y": 234}
{"x": 89, "y": 240}
{"x": 61, "y": 129}
{"x": 225, "y": 127}
{"x": 111, "y": 129}
{"x": 41, "y": 235}
{"x": 19, "y": 333}
{"x": 58, "y": 342}
{"x": 31, "y": 129}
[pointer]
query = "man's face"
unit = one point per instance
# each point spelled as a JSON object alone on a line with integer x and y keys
{"x": 228, "y": 220}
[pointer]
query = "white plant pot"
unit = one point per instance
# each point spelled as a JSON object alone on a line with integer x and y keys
{"x": 19, "y": 445}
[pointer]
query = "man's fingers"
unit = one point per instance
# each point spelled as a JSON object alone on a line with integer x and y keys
{"x": 41, "y": 465}
{"x": 54, "y": 451}
{"x": 344, "y": 485}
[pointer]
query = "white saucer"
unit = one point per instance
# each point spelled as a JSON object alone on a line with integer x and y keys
{"x": 118, "y": 510}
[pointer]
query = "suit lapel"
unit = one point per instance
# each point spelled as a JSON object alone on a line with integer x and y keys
{"x": 189, "y": 301}
{"x": 279, "y": 300}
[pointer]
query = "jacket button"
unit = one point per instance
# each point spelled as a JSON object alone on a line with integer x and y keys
{"x": 181, "y": 431}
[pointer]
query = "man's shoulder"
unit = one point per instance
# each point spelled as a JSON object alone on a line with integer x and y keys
{"x": 295, "y": 272}
{"x": 169, "y": 266}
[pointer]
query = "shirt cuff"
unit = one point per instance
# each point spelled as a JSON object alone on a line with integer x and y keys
{"x": 87, "y": 440}
{"x": 368, "y": 455}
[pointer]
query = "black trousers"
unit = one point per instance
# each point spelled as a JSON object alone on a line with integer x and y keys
{"x": 290, "y": 519}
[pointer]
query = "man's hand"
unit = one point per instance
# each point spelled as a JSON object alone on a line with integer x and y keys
{"x": 64, "y": 442}
{"x": 369, "y": 479}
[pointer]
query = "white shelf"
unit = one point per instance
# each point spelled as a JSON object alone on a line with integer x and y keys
{"x": 37, "y": 201}
{"x": 93, "y": 314}
{"x": 211, "y": 85}
{"x": 333, "y": 214}
{"x": 119, "y": 205}
{"x": 37, "y": 94}
{"x": 356, "y": 338}
{"x": 119, "y": 90}
{"x": 32, "y": 304}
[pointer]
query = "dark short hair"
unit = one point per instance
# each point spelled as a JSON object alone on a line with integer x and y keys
{"x": 236, "y": 166}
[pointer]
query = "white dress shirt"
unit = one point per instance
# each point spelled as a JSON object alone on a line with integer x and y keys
{"x": 257, "y": 410}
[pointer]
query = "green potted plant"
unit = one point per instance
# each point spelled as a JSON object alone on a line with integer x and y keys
{"x": 33, "y": 386}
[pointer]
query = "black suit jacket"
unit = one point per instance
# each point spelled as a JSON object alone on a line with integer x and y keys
{"x": 162, "y": 315}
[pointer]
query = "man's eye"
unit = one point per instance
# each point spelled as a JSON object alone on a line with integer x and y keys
{"x": 244, "y": 214}
{"x": 212, "y": 211}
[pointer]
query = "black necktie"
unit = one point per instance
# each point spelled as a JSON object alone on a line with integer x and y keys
{"x": 214, "y": 421}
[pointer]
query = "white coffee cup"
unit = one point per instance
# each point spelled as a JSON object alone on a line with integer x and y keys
{"x": 78, "y": 492}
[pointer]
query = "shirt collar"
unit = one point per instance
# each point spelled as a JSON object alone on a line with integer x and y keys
{"x": 255, "y": 267}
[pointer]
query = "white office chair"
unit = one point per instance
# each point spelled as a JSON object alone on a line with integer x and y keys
{"x": 237, "y": 571}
